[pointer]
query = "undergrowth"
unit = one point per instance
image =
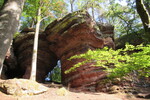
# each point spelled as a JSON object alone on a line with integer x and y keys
{"x": 118, "y": 63}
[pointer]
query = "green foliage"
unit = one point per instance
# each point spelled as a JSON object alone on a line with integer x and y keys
{"x": 132, "y": 38}
{"x": 16, "y": 34}
{"x": 1, "y": 3}
{"x": 120, "y": 62}
{"x": 56, "y": 76}
{"x": 85, "y": 4}
{"x": 49, "y": 11}
{"x": 123, "y": 17}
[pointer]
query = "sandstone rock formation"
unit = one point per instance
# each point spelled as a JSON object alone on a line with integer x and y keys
{"x": 46, "y": 60}
{"x": 75, "y": 34}
{"x": 107, "y": 31}
{"x": 9, "y": 66}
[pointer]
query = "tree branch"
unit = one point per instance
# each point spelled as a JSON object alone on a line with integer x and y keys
{"x": 44, "y": 18}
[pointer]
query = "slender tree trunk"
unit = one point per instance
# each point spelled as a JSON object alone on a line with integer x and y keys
{"x": 35, "y": 47}
{"x": 145, "y": 17}
{"x": 93, "y": 12}
{"x": 147, "y": 5}
{"x": 71, "y": 7}
{"x": 71, "y": 4}
{"x": 9, "y": 21}
{"x": 32, "y": 24}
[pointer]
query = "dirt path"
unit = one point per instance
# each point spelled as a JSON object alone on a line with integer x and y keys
{"x": 52, "y": 94}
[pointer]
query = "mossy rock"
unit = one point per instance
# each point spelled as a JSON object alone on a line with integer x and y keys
{"x": 21, "y": 87}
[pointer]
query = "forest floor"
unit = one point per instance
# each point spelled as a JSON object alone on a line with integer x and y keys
{"x": 57, "y": 93}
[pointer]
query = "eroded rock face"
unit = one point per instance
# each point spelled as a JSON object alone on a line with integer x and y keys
{"x": 46, "y": 59}
{"x": 107, "y": 31}
{"x": 72, "y": 35}
{"x": 9, "y": 66}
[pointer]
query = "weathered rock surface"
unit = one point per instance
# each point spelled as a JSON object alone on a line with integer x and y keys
{"x": 21, "y": 87}
{"x": 72, "y": 35}
{"x": 28, "y": 29}
{"x": 23, "y": 47}
{"x": 75, "y": 34}
{"x": 107, "y": 31}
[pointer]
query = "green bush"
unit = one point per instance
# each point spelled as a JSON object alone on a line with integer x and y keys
{"x": 56, "y": 76}
{"x": 118, "y": 63}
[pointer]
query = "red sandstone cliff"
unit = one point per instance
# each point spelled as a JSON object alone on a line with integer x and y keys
{"x": 23, "y": 47}
{"x": 75, "y": 34}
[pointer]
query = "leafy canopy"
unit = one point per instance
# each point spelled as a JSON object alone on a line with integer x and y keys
{"x": 1, "y": 3}
{"x": 50, "y": 9}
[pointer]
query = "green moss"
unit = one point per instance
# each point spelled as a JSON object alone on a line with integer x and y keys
{"x": 21, "y": 37}
{"x": 64, "y": 23}
{"x": 75, "y": 17}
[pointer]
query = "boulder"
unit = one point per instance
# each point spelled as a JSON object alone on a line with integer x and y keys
{"x": 21, "y": 87}
{"x": 75, "y": 34}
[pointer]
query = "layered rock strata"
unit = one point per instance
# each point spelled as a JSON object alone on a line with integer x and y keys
{"x": 72, "y": 35}
{"x": 46, "y": 59}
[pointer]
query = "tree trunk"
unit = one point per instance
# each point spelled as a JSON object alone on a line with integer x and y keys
{"x": 71, "y": 4}
{"x": 145, "y": 17}
{"x": 93, "y": 12}
{"x": 35, "y": 47}
{"x": 9, "y": 21}
{"x": 71, "y": 7}
{"x": 147, "y": 7}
